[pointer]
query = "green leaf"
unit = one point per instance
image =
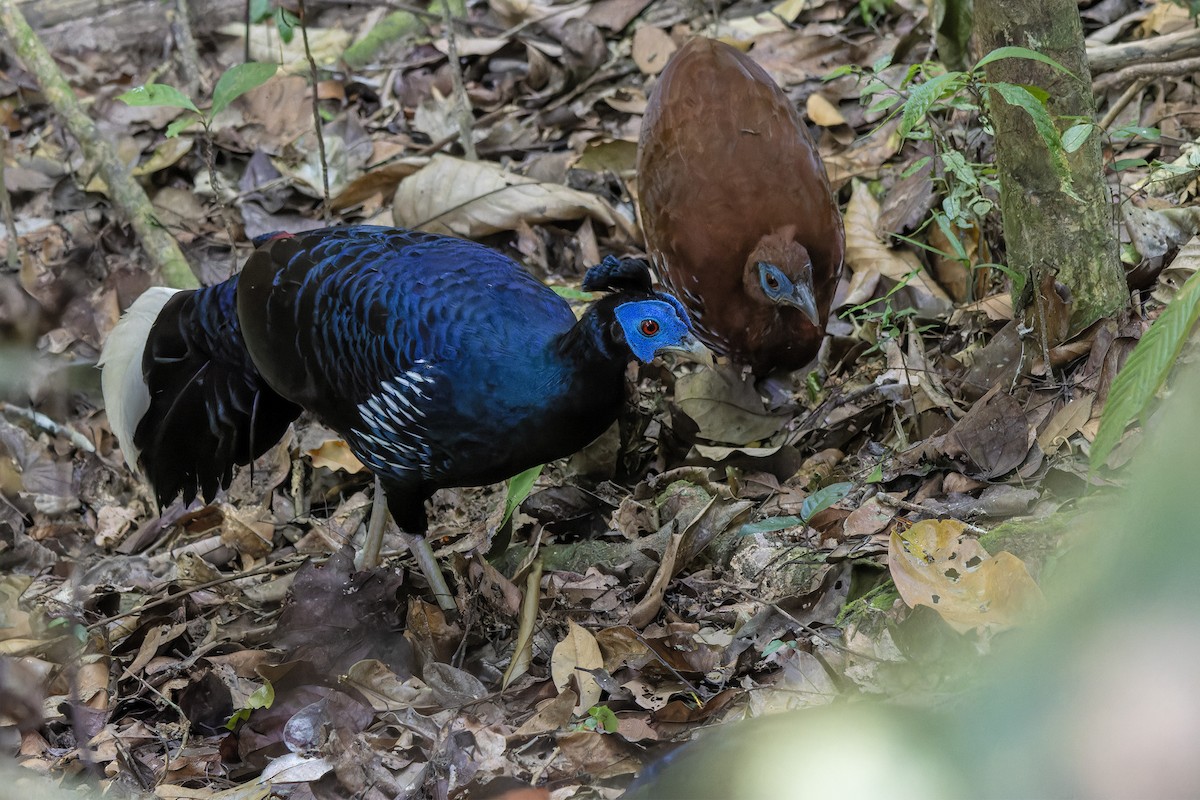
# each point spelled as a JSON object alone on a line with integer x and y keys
{"x": 519, "y": 487}
{"x": 1020, "y": 52}
{"x": 605, "y": 718}
{"x": 571, "y": 293}
{"x": 1074, "y": 136}
{"x": 259, "y": 10}
{"x": 823, "y": 498}
{"x": 157, "y": 94}
{"x": 1147, "y": 368}
{"x": 884, "y": 103}
{"x": 237, "y": 81}
{"x": 1129, "y": 163}
{"x": 769, "y": 525}
{"x": 923, "y": 97}
{"x": 775, "y": 645}
{"x": 915, "y": 167}
{"x": 179, "y": 124}
{"x": 1020, "y": 97}
{"x": 1133, "y": 131}
{"x": 263, "y": 697}
{"x": 285, "y": 23}
{"x": 844, "y": 69}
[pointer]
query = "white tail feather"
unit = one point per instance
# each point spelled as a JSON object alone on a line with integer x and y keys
{"x": 125, "y": 394}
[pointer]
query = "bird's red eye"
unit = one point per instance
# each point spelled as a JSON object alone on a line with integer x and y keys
{"x": 649, "y": 327}
{"x": 772, "y": 281}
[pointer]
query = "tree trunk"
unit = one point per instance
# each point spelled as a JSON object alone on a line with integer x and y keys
{"x": 1050, "y": 235}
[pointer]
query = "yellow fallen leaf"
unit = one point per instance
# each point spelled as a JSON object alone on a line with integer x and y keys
{"x": 822, "y": 112}
{"x": 935, "y": 564}
{"x": 335, "y": 454}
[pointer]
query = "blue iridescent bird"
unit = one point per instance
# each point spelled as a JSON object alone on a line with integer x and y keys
{"x": 440, "y": 361}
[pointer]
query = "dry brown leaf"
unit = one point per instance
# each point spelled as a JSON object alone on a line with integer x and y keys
{"x": 576, "y": 653}
{"x": 249, "y": 530}
{"x": 1069, "y": 420}
{"x": 551, "y": 715}
{"x": 384, "y": 689}
{"x": 869, "y": 258}
{"x": 620, "y": 645}
{"x": 652, "y": 48}
{"x": 726, "y": 407}
{"x": 935, "y": 564}
{"x": 477, "y": 198}
{"x": 993, "y": 437}
{"x": 381, "y": 180}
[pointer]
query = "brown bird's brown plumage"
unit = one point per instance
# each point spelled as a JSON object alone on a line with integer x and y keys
{"x": 740, "y": 220}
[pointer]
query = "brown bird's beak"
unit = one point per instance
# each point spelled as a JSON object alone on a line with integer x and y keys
{"x": 691, "y": 349}
{"x": 804, "y": 298}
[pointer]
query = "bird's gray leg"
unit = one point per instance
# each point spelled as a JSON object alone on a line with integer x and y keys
{"x": 417, "y": 544}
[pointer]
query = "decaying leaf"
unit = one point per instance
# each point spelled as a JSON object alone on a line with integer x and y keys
{"x": 652, "y": 48}
{"x": 475, "y": 198}
{"x": 572, "y": 657}
{"x": 869, "y": 259}
{"x": 335, "y": 454}
{"x": 936, "y": 564}
{"x": 726, "y": 407}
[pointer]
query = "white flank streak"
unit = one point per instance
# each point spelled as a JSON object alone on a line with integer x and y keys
{"x": 125, "y": 394}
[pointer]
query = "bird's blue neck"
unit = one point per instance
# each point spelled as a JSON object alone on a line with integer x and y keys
{"x": 591, "y": 340}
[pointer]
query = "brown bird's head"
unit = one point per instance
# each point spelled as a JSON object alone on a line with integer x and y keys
{"x": 779, "y": 272}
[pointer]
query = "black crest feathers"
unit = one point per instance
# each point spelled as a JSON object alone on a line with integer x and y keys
{"x": 619, "y": 274}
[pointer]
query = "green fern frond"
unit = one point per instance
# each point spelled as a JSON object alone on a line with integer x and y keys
{"x": 1147, "y": 368}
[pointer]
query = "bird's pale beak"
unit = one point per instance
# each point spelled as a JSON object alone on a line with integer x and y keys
{"x": 691, "y": 349}
{"x": 803, "y": 298}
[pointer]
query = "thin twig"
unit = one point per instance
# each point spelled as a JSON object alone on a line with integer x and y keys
{"x": 316, "y": 106}
{"x": 184, "y": 722}
{"x": 905, "y": 505}
{"x": 266, "y": 569}
{"x": 1119, "y": 104}
{"x": 181, "y": 27}
{"x": 50, "y": 426}
{"x": 12, "y": 257}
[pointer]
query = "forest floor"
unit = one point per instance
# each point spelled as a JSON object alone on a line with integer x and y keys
{"x": 721, "y": 556}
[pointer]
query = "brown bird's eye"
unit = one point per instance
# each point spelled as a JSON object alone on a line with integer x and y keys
{"x": 649, "y": 327}
{"x": 772, "y": 281}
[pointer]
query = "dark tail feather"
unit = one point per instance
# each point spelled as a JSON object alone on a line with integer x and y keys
{"x": 209, "y": 407}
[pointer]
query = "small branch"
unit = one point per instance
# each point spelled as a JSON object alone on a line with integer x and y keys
{"x": 1170, "y": 46}
{"x": 1121, "y": 102}
{"x": 50, "y": 426}
{"x": 1146, "y": 72}
{"x": 12, "y": 257}
{"x": 246, "y": 42}
{"x": 126, "y": 194}
{"x": 316, "y": 106}
{"x": 185, "y": 42}
{"x": 904, "y": 505}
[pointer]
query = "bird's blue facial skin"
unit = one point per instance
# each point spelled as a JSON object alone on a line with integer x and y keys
{"x": 651, "y": 326}
{"x": 777, "y": 286}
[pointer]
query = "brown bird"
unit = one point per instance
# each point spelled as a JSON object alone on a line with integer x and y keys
{"x": 740, "y": 220}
